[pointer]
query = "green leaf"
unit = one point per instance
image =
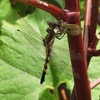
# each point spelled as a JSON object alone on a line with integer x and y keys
{"x": 22, "y": 60}
{"x": 5, "y": 9}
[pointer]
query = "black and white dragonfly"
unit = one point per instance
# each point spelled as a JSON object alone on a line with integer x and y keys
{"x": 55, "y": 31}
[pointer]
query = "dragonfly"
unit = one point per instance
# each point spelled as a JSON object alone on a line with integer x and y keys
{"x": 56, "y": 30}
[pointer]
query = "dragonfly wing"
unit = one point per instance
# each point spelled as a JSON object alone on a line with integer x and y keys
{"x": 60, "y": 65}
{"x": 60, "y": 68}
{"x": 33, "y": 41}
{"x": 60, "y": 61}
{"x": 30, "y": 37}
{"x": 61, "y": 46}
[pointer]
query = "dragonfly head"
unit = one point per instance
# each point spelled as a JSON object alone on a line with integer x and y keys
{"x": 52, "y": 24}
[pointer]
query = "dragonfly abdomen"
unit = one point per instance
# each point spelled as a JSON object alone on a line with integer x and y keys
{"x": 48, "y": 42}
{"x": 45, "y": 67}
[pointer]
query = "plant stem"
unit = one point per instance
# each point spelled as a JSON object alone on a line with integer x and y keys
{"x": 53, "y": 10}
{"x": 91, "y": 18}
{"x": 87, "y": 26}
{"x": 95, "y": 83}
{"x": 82, "y": 87}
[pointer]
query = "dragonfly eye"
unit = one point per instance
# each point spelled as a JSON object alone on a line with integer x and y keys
{"x": 69, "y": 29}
{"x": 53, "y": 24}
{"x": 50, "y": 31}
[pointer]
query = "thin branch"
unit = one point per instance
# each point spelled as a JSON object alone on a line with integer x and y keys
{"x": 95, "y": 83}
{"x": 93, "y": 52}
{"x": 87, "y": 26}
{"x": 64, "y": 93}
{"x": 92, "y": 40}
{"x": 92, "y": 49}
{"x": 94, "y": 20}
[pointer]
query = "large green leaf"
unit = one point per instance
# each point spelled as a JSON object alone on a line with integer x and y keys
{"x": 4, "y": 11}
{"x": 22, "y": 59}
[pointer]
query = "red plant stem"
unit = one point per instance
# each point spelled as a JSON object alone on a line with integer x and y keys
{"x": 53, "y": 10}
{"x": 87, "y": 26}
{"x": 94, "y": 20}
{"x": 95, "y": 83}
{"x": 73, "y": 5}
{"x": 82, "y": 87}
{"x": 93, "y": 52}
{"x": 92, "y": 49}
{"x": 94, "y": 42}
{"x": 87, "y": 32}
{"x": 90, "y": 40}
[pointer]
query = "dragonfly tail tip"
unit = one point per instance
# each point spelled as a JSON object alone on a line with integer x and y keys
{"x": 42, "y": 78}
